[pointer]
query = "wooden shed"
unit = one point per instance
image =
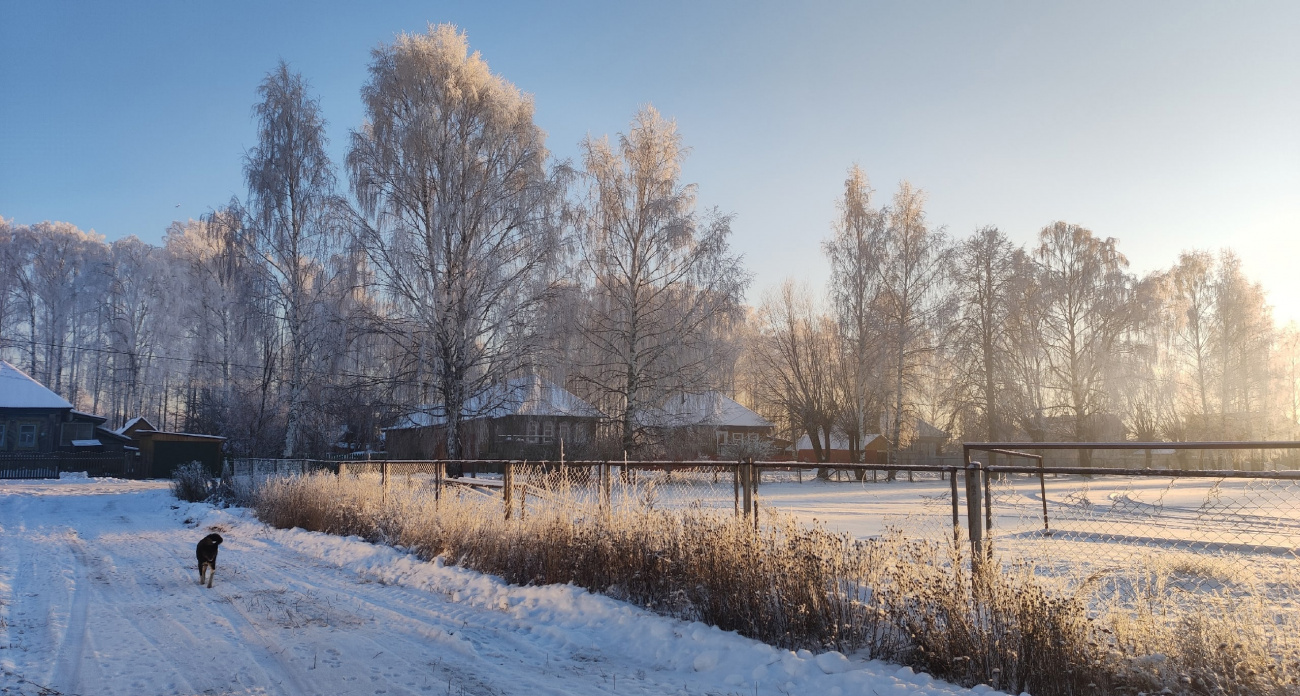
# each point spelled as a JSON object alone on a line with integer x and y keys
{"x": 161, "y": 451}
{"x": 874, "y": 450}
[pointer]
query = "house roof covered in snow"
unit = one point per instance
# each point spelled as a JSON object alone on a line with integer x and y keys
{"x": 838, "y": 441}
{"x": 17, "y": 390}
{"x": 710, "y": 408}
{"x": 924, "y": 429}
{"x": 519, "y": 396}
{"x": 138, "y": 420}
{"x": 920, "y": 428}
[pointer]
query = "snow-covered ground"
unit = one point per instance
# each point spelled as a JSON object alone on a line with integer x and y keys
{"x": 99, "y": 595}
{"x": 1230, "y": 537}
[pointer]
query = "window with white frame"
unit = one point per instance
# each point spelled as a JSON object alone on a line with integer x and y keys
{"x": 564, "y": 433}
{"x": 548, "y": 431}
{"x": 532, "y": 431}
{"x": 75, "y": 431}
{"x": 753, "y": 437}
{"x": 26, "y": 436}
{"x": 722, "y": 437}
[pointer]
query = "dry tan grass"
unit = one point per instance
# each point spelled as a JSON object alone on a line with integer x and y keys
{"x": 796, "y": 586}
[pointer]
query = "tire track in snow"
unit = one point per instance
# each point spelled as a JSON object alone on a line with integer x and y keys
{"x": 34, "y": 617}
{"x": 413, "y": 621}
{"x": 133, "y": 604}
{"x": 66, "y": 677}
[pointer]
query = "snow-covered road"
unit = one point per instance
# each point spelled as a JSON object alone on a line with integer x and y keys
{"x": 99, "y": 595}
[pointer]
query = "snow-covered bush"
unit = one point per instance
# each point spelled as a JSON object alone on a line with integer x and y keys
{"x": 191, "y": 483}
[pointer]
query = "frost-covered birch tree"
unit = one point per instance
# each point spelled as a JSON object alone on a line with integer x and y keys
{"x": 914, "y": 260}
{"x": 16, "y": 247}
{"x": 1244, "y": 336}
{"x": 984, "y": 285}
{"x": 799, "y": 359}
{"x": 136, "y": 312}
{"x": 661, "y": 276}
{"x": 854, "y": 252}
{"x": 450, "y": 171}
{"x": 65, "y": 271}
{"x": 1086, "y": 293}
{"x": 1192, "y": 281}
{"x": 295, "y": 219}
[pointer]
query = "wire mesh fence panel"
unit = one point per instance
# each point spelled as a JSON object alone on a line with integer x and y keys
{"x": 622, "y": 486}
{"x": 703, "y": 487}
{"x": 1238, "y": 536}
{"x": 861, "y": 501}
{"x": 1202, "y": 535}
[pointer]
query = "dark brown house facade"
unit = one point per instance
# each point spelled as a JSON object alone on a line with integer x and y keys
{"x": 711, "y": 425}
{"x": 35, "y": 420}
{"x": 526, "y": 418}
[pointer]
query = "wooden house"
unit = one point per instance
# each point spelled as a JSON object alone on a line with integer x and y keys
{"x": 524, "y": 418}
{"x": 35, "y": 420}
{"x": 711, "y": 425}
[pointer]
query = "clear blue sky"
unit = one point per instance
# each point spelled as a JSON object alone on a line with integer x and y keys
{"x": 1166, "y": 124}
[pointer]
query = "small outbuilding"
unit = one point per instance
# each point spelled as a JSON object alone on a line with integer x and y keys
{"x": 711, "y": 425}
{"x": 161, "y": 451}
{"x": 874, "y": 449}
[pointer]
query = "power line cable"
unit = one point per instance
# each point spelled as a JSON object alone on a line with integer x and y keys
{"x": 14, "y": 343}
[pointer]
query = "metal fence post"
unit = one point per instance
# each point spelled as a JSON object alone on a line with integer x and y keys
{"x": 748, "y": 490}
{"x": 1042, "y": 490}
{"x": 507, "y": 484}
{"x": 439, "y": 470}
{"x": 754, "y": 475}
{"x": 607, "y": 485}
{"x": 974, "y": 518}
{"x": 988, "y": 513}
{"x": 956, "y": 519}
{"x": 735, "y": 485}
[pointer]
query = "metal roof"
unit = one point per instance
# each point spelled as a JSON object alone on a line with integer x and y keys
{"x": 520, "y": 396}
{"x": 17, "y": 390}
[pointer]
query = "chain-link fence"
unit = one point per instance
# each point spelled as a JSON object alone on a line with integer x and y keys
{"x": 1225, "y": 531}
{"x": 860, "y": 500}
{"x": 1160, "y": 544}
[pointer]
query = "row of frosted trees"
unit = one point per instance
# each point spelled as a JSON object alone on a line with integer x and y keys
{"x": 996, "y": 341}
{"x": 307, "y": 315}
{"x": 458, "y": 254}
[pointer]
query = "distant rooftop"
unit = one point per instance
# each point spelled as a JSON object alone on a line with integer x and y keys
{"x": 17, "y": 390}
{"x": 710, "y": 408}
{"x": 838, "y": 441}
{"x": 520, "y": 396}
{"x": 138, "y": 419}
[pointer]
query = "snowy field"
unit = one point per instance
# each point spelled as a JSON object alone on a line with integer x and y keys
{"x": 1208, "y": 537}
{"x": 99, "y": 595}
{"x": 1233, "y": 537}
{"x": 1256, "y": 521}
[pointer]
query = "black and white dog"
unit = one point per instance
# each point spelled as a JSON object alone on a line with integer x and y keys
{"x": 207, "y": 555}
